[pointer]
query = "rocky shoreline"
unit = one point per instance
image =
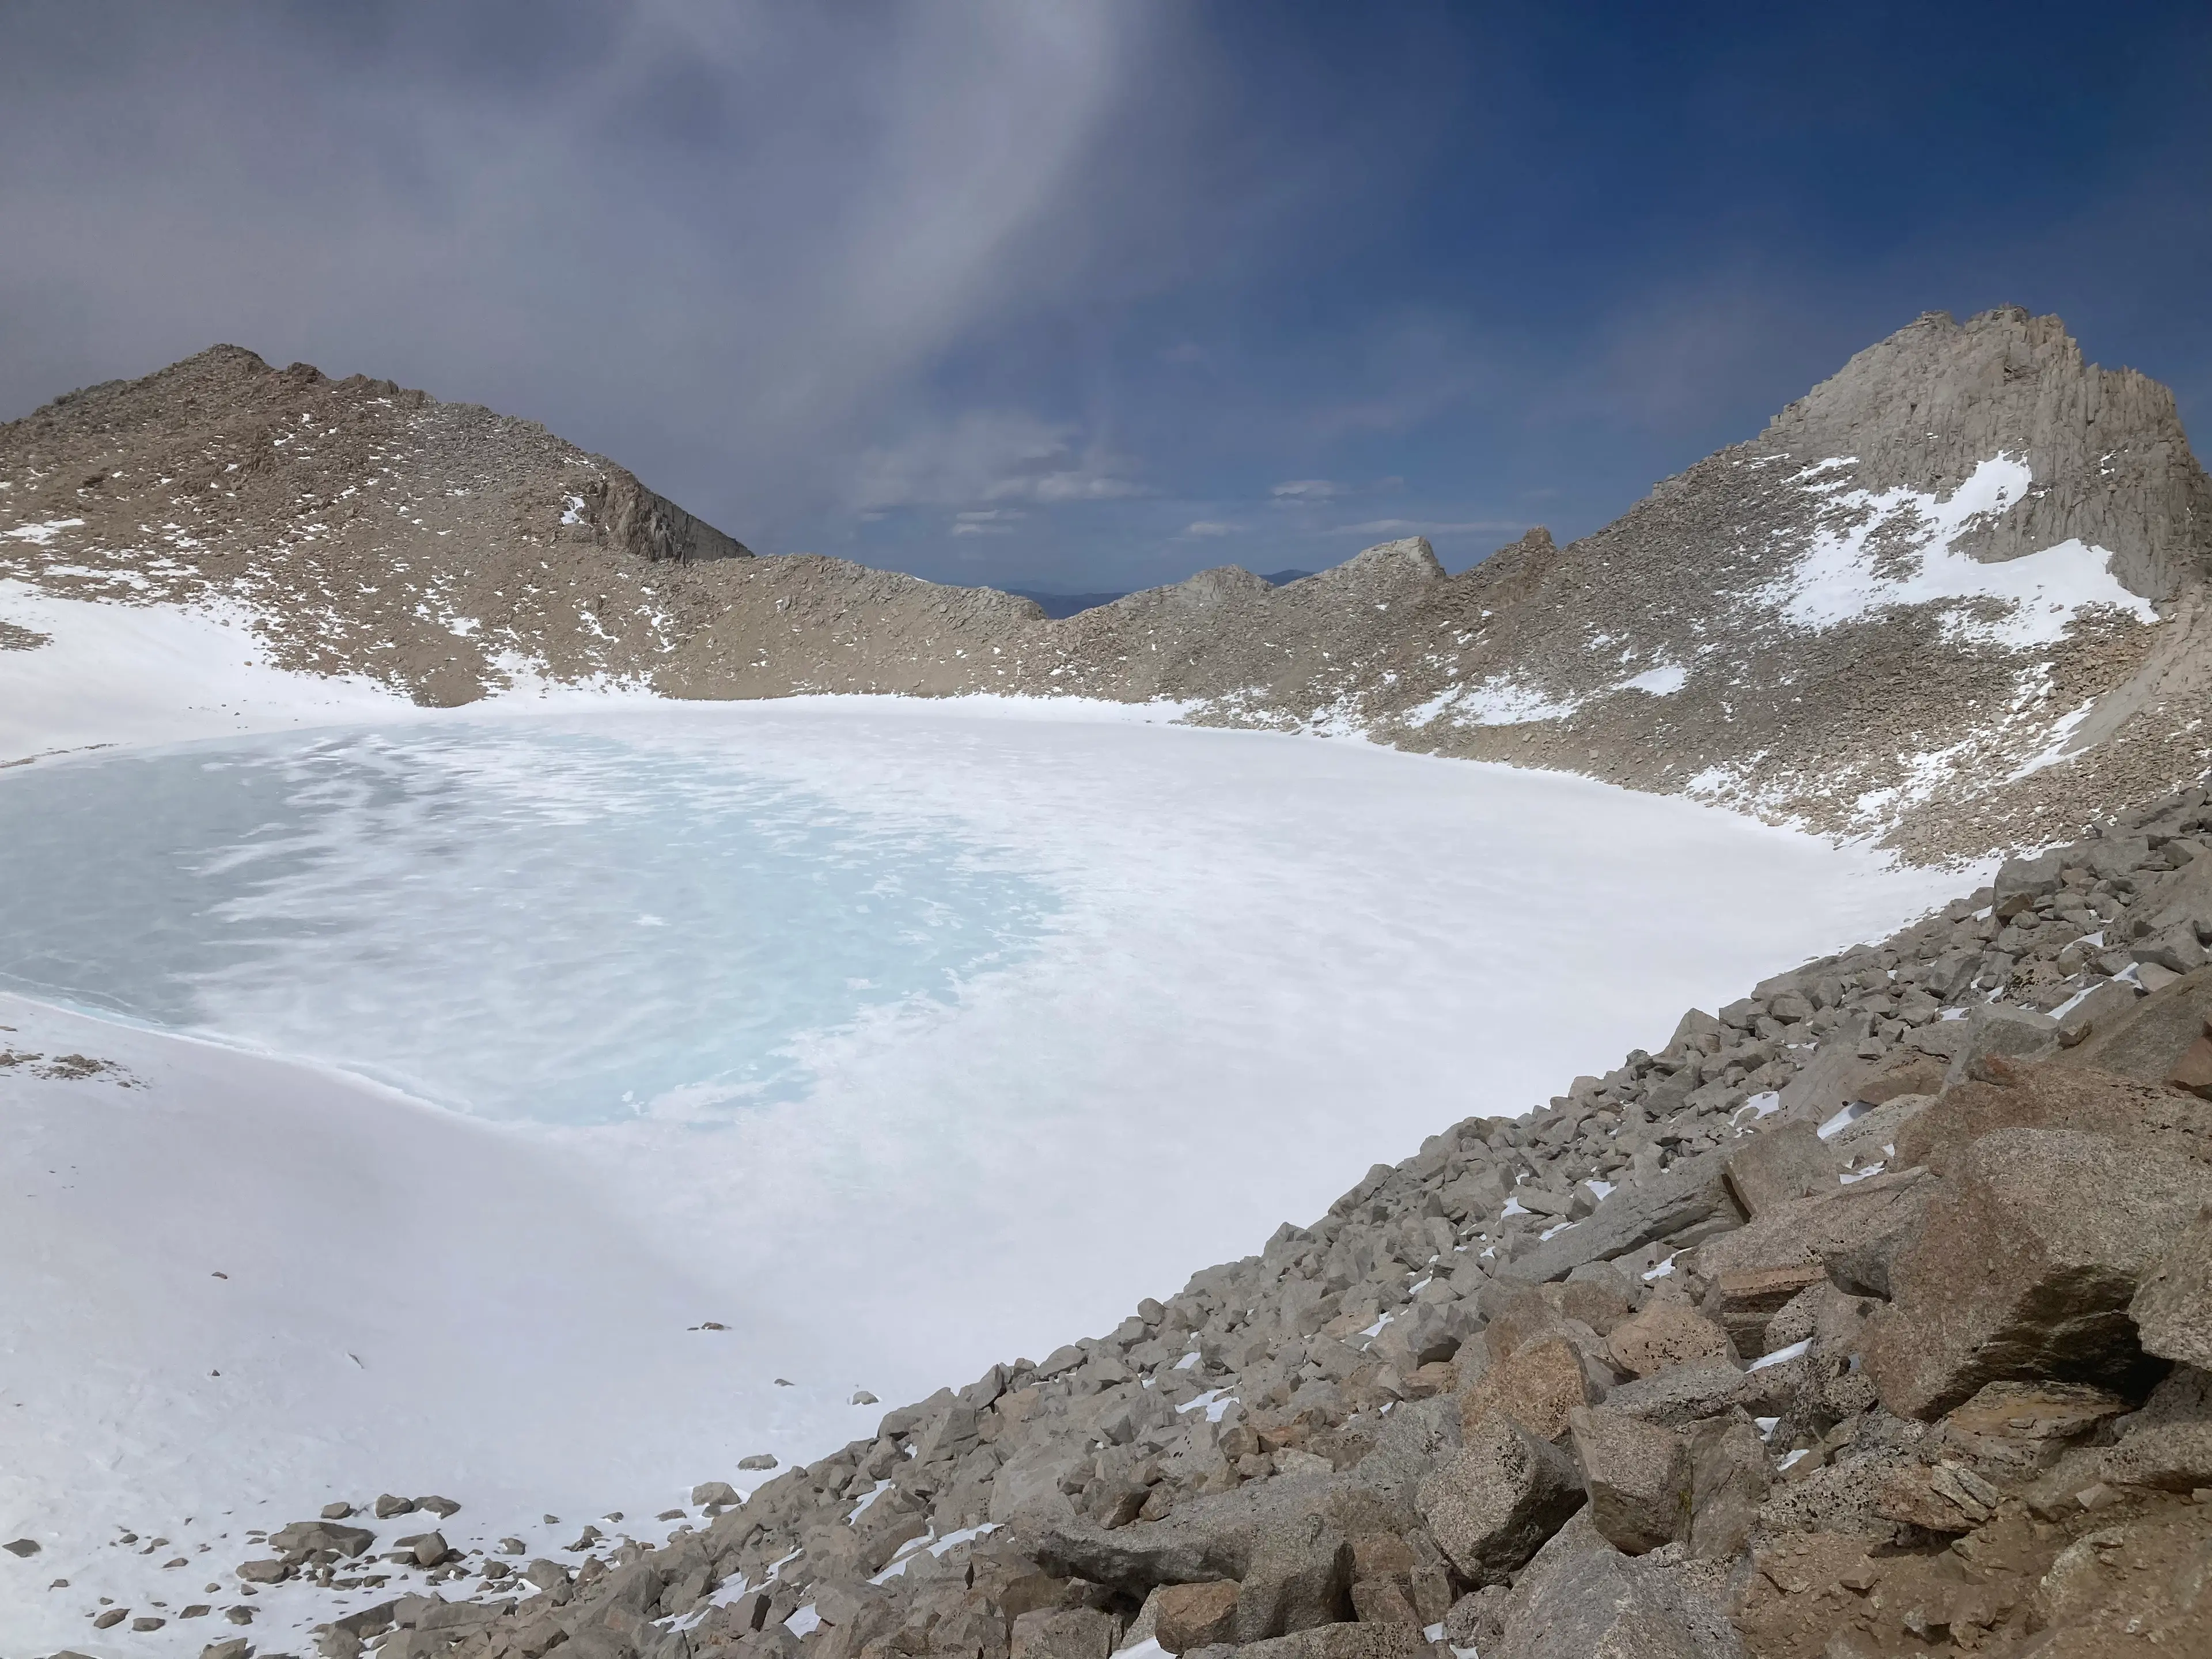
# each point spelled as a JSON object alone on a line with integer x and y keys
{"x": 1871, "y": 1315}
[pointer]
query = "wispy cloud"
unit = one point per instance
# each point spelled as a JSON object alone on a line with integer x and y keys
{"x": 1299, "y": 491}
{"x": 989, "y": 521}
{"x": 988, "y": 456}
{"x": 816, "y": 209}
{"x": 1208, "y": 527}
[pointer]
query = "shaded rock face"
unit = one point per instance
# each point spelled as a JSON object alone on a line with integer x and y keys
{"x": 1695, "y": 645}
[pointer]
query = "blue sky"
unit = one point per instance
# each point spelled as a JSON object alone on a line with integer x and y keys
{"x": 1096, "y": 294}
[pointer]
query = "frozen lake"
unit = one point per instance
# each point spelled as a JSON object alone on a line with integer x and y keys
{"x": 521, "y": 921}
{"x": 891, "y": 1038}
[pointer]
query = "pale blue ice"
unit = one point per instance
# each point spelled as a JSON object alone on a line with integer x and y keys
{"x": 524, "y": 923}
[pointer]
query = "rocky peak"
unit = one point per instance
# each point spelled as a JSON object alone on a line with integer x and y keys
{"x": 1924, "y": 407}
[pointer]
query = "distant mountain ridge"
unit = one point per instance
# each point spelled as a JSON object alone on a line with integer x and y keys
{"x": 1953, "y": 598}
{"x": 1061, "y": 606}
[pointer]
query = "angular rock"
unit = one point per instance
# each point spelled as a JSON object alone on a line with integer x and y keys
{"x": 1693, "y": 1194}
{"x": 1853, "y": 1233}
{"x": 2026, "y": 1266}
{"x": 1942, "y": 1498}
{"x": 1341, "y": 1642}
{"x": 1581, "y": 1598}
{"x": 714, "y": 1492}
{"x": 1636, "y": 1478}
{"x": 1218, "y": 1535}
{"x": 1667, "y": 1332}
{"x": 1871, "y": 1137}
{"x": 1493, "y": 1503}
{"x": 389, "y": 1505}
{"x": 1298, "y": 1575}
{"x": 1537, "y": 1386}
{"x": 321, "y": 1536}
{"x": 1996, "y": 1030}
{"x": 1685, "y": 1394}
{"x": 1384, "y": 1602}
{"x": 1743, "y": 1304}
{"x": 1193, "y": 1615}
{"x": 2172, "y": 1308}
{"x": 2056, "y": 1097}
{"x": 1062, "y": 1633}
{"x": 1729, "y": 1479}
{"x": 2171, "y": 1456}
{"x": 1785, "y": 1162}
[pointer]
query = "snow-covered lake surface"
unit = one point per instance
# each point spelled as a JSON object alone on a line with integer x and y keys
{"x": 520, "y": 921}
{"x": 895, "y": 1038}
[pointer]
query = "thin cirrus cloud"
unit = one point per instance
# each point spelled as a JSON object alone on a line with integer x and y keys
{"x": 988, "y": 455}
{"x": 987, "y": 521}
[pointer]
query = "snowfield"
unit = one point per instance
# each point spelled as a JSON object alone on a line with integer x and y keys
{"x": 1246, "y": 967}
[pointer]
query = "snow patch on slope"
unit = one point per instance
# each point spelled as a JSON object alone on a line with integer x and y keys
{"x": 1883, "y": 549}
{"x": 1502, "y": 700}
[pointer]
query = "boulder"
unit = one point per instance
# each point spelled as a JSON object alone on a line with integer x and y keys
{"x": 2020, "y": 882}
{"x": 1946, "y": 1497}
{"x": 1667, "y": 1332}
{"x": 2171, "y": 1456}
{"x": 1852, "y": 1233}
{"x": 1536, "y": 1386}
{"x": 1188, "y": 1616}
{"x": 1871, "y": 1137}
{"x": 1693, "y": 1194}
{"x": 2172, "y": 1307}
{"x": 1784, "y": 1162}
{"x": 1729, "y": 1479}
{"x": 1743, "y": 1302}
{"x": 1492, "y": 1504}
{"x": 714, "y": 1492}
{"x": 1687, "y": 1394}
{"x": 1636, "y": 1477}
{"x": 1342, "y": 1642}
{"x": 1219, "y": 1535}
{"x": 2026, "y": 1264}
{"x": 1298, "y": 1574}
{"x": 1062, "y": 1633}
{"x": 2059, "y": 1096}
{"x": 1581, "y": 1597}
{"x": 312, "y": 1535}
{"x": 2148, "y": 1040}
{"x": 1996, "y": 1030}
